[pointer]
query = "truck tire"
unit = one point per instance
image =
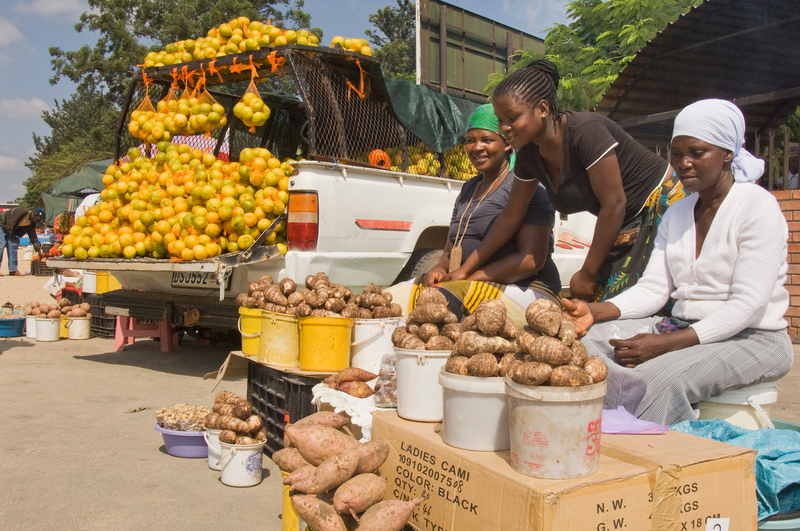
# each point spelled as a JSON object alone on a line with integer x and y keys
{"x": 420, "y": 261}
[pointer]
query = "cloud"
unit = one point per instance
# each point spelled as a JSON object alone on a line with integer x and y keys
{"x": 538, "y": 17}
{"x": 19, "y": 109}
{"x": 9, "y": 163}
{"x": 52, "y": 7}
{"x": 9, "y": 34}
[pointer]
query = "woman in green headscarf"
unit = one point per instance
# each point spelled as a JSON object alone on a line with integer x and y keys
{"x": 522, "y": 270}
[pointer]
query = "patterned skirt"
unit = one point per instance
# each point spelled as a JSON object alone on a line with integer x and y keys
{"x": 629, "y": 256}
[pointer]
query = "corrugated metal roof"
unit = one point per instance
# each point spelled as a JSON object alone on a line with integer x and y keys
{"x": 747, "y": 51}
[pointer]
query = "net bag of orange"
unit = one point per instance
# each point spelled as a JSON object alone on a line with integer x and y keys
{"x": 251, "y": 109}
{"x": 140, "y": 124}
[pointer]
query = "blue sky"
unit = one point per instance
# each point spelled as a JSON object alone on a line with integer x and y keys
{"x": 29, "y": 27}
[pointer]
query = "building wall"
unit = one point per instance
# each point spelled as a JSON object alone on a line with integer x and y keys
{"x": 790, "y": 205}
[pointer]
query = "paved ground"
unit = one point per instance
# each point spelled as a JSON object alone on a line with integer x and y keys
{"x": 74, "y": 458}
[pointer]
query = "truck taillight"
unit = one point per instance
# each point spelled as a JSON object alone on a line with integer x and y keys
{"x": 302, "y": 223}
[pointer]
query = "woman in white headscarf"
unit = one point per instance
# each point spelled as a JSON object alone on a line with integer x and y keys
{"x": 721, "y": 254}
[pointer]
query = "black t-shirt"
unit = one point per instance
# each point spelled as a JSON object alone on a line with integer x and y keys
{"x": 540, "y": 212}
{"x": 588, "y": 137}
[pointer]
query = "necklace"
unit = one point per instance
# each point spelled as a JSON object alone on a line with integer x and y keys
{"x": 455, "y": 252}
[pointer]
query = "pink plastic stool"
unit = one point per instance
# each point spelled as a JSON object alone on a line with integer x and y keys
{"x": 128, "y": 328}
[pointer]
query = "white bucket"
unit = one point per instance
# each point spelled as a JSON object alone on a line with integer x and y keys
{"x": 475, "y": 412}
{"x": 48, "y": 329}
{"x": 89, "y": 282}
{"x": 241, "y": 463}
{"x": 30, "y": 326}
{"x": 79, "y": 327}
{"x": 747, "y": 407}
{"x": 214, "y": 449}
{"x": 372, "y": 339}
{"x": 555, "y": 431}
{"x": 27, "y": 253}
{"x": 419, "y": 395}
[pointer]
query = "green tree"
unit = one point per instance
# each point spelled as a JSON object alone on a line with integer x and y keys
{"x": 397, "y": 48}
{"x": 603, "y": 37}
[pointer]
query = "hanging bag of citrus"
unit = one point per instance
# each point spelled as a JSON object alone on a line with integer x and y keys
{"x": 251, "y": 109}
{"x": 140, "y": 124}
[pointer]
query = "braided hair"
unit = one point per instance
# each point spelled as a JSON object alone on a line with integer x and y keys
{"x": 535, "y": 82}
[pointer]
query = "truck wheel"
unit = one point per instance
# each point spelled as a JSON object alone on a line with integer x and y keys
{"x": 420, "y": 261}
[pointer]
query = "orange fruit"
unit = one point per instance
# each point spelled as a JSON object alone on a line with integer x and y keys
{"x": 187, "y": 254}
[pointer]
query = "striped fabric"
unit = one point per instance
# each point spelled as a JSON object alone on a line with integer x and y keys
{"x": 664, "y": 389}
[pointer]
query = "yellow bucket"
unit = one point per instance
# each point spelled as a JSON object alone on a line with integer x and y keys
{"x": 280, "y": 342}
{"x": 325, "y": 343}
{"x": 63, "y": 331}
{"x": 289, "y": 519}
{"x": 105, "y": 282}
{"x": 250, "y": 328}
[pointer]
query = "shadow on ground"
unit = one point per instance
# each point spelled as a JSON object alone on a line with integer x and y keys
{"x": 9, "y": 343}
{"x": 188, "y": 359}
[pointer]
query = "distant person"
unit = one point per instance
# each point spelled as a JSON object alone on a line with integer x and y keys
{"x": 16, "y": 222}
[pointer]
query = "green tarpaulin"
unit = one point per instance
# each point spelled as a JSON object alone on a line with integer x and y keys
{"x": 67, "y": 193}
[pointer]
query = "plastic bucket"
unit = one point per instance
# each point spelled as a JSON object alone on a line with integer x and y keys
{"x": 183, "y": 443}
{"x": 555, "y": 431}
{"x": 279, "y": 344}
{"x": 89, "y": 282}
{"x": 63, "y": 331}
{"x": 30, "y": 326}
{"x": 475, "y": 412}
{"x": 747, "y": 407}
{"x": 48, "y": 329}
{"x": 214, "y": 449}
{"x": 79, "y": 327}
{"x": 12, "y": 327}
{"x": 27, "y": 253}
{"x": 289, "y": 519}
{"x": 372, "y": 339}
{"x": 419, "y": 395}
{"x": 250, "y": 328}
{"x": 241, "y": 463}
{"x": 324, "y": 343}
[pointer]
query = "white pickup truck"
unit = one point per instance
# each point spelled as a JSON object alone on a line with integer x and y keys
{"x": 359, "y": 225}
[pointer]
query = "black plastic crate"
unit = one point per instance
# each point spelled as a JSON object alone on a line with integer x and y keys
{"x": 278, "y": 398}
{"x": 72, "y": 295}
{"x": 102, "y": 326}
{"x": 94, "y": 300}
{"x": 40, "y": 269}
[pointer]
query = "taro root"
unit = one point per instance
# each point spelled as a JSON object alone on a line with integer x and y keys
{"x": 468, "y": 323}
{"x": 457, "y": 365}
{"x": 450, "y": 318}
{"x": 509, "y": 330}
{"x": 395, "y": 310}
{"x": 427, "y": 331}
{"x": 472, "y": 343}
{"x": 579, "y": 354}
{"x": 412, "y": 327}
{"x": 410, "y": 341}
{"x": 397, "y": 334}
{"x": 295, "y": 299}
{"x": 483, "y": 364}
{"x": 303, "y": 310}
{"x": 364, "y": 313}
{"x": 490, "y": 317}
{"x": 567, "y": 332}
{"x": 288, "y": 286}
{"x": 382, "y": 312}
{"x": 431, "y": 296}
{"x": 451, "y": 331}
{"x": 569, "y": 376}
{"x": 438, "y": 343}
{"x": 335, "y": 305}
{"x": 253, "y": 286}
{"x": 505, "y": 361}
{"x": 530, "y": 373}
{"x": 227, "y": 436}
{"x": 550, "y": 350}
{"x": 597, "y": 369}
{"x": 266, "y": 280}
{"x": 544, "y": 316}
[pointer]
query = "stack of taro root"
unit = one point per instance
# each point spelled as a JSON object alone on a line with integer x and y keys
{"x": 430, "y": 326}
{"x": 546, "y": 352}
{"x": 234, "y": 416}
{"x": 56, "y": 310}
{"x": 319, "y": 298}
{"x": 332, "y": 475}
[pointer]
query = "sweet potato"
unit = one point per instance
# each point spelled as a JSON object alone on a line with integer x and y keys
{"x": 569, "y": 376}
{"x": 64, "y": 302}
{"x": 353, "y": 374}
{"x": 85, "y": 306}
{"x": 317, "y": 443}
{"x": 371, "y": 456}
{"x": 356, "y": 389}
{"x": 390, "y": 515}
{"x": 323, "y": 418}
{"x": 227, "y": 436}
{"x": 54, "y": 314}
{"x": 317, "y": 514}
{"x": 331, "y": 473}
{"x": 359, "y": 493}
{"x": 289, "y": 459}
{"x": 300, "y": 474}
{"x": 457, "y": 365}
{"x": 597, "y": 369}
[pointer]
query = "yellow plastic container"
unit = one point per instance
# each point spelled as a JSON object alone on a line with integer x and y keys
{"x": 250, "y": 328}
{"x": 106, "y": 282}
{"x": 289, "y": 519}
{"x": 63, "y": 331}
{"x": 279, "y": 344}
{"x": 325, "y": 343}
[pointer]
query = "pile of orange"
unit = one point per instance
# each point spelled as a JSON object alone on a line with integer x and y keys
{"x": 236, "y": 36}
{"x": 352, "y": 45}
{"x": 183, "y": 204}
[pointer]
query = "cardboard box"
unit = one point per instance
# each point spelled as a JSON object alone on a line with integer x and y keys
{"x": 670, "y": 482}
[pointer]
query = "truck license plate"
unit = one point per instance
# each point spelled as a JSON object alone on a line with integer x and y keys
{"x": 194, "y": 280}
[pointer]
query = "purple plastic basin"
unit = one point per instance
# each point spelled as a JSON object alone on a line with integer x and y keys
{"x": 184, "y": 443}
